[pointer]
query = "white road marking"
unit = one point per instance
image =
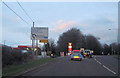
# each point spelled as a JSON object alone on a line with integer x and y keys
{"x": 105, "y": 66}
{"x": 95, "y": 59}
{"x": 109, "y": 69}
{"x": 99, "y": 62}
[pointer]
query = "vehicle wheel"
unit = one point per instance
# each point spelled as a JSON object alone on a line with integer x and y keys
{"x": 81, "y": 59}
{"x": 91, "y": 56}
{"x": 71, "y": 59}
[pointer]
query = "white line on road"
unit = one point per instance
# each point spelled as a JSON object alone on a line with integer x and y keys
{"x": 99, "y": 62}
{"x": 105, "y": 66}
{"x": 95, "y": 59}
{"x": 109, "y": 69}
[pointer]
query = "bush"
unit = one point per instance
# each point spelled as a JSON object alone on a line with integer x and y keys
{"x": 7, "y": 58}
{"x": 13, "y": 56}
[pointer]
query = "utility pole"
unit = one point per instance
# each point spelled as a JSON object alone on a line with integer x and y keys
{"x": 33, "y": 41}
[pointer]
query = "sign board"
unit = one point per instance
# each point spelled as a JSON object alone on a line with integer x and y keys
{"x": 69, "y": 47}
{"x": 66, "y": 54}
{"x": 69, "y": 44}
{"x": 61, "y": 53}
{"x": 43, "y": 41}
{"x": 39, "y": 33}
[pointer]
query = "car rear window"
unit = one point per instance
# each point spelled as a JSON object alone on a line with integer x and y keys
{"x": 76, "y": 52}
{"x": 88, "y": 51}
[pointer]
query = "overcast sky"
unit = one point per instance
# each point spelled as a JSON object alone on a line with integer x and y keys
{"x": 94, "y": 18}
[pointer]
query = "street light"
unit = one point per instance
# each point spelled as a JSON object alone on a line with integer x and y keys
{"x": 113, "y": 52}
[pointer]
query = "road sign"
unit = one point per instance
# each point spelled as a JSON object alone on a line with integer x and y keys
{"x": 69, "y": 47}
{"x": 69, "y": 44}
{"x": 61, "y": 53}
{"x": 43, "y": 41}
{"x": 39, "y": 33}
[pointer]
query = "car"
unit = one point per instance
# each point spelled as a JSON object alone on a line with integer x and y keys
{"x": 24, "y": 51}
{"x": 52, "y": 55}
{"x": 88, "y": 53}
{"x": 83, "y": 53}
{"x": 76, "y": 55}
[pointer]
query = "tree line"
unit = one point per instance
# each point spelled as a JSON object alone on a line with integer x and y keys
{"x": 79, "y": 40}
{"x": 75, "y": 36}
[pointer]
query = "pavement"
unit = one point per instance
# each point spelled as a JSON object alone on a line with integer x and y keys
{"x": 64, "y": 66}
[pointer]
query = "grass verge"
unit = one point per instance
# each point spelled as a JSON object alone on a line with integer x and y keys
{"x": 15, "y": 69}
{"x": 118, "y": 56}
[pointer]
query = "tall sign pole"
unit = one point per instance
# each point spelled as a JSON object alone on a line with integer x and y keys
{"x": 39, "y": 33}
{"x": 33, "y": 41}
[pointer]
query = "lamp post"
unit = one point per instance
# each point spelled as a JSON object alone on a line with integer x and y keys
{"x": 113, "y": 52}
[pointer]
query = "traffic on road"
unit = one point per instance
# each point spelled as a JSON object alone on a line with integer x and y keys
{"x": 63, "y": 38}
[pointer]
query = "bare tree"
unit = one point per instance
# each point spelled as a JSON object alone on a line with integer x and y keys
{"x": 50, "y": 46}
{"x": 106, "y": 49}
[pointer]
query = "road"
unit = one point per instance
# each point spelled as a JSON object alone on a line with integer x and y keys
{"x": 63, "y": 66}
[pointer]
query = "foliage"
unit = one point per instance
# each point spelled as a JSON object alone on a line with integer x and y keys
{"x": 14, "y": 69}
{"x": 93, "y": 44}
{"x": 50, "y": 46}
{"x": 73, "y": 36}
{"x": 13, "y": 56}
{"x": 78, "y": 41}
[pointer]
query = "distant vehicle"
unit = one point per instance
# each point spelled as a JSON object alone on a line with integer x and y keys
{"x": 88, "y": 53}
{"x": 52, "y": 55}
{"x": 76, "y": 55}
{"x": 82, "y": 52}
{"x": 24, "y": 51}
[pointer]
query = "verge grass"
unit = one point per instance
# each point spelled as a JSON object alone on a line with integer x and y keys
{"x": 15, "y": 69}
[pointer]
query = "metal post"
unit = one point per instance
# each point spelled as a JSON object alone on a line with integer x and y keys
{"x": 33, "y": 44}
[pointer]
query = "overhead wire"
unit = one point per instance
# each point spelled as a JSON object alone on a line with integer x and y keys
{"x": 15, "y": 13}
{"x": 24, "y": 11}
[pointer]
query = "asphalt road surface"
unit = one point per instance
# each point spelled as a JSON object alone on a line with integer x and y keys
{"x": 63, "y": 66}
